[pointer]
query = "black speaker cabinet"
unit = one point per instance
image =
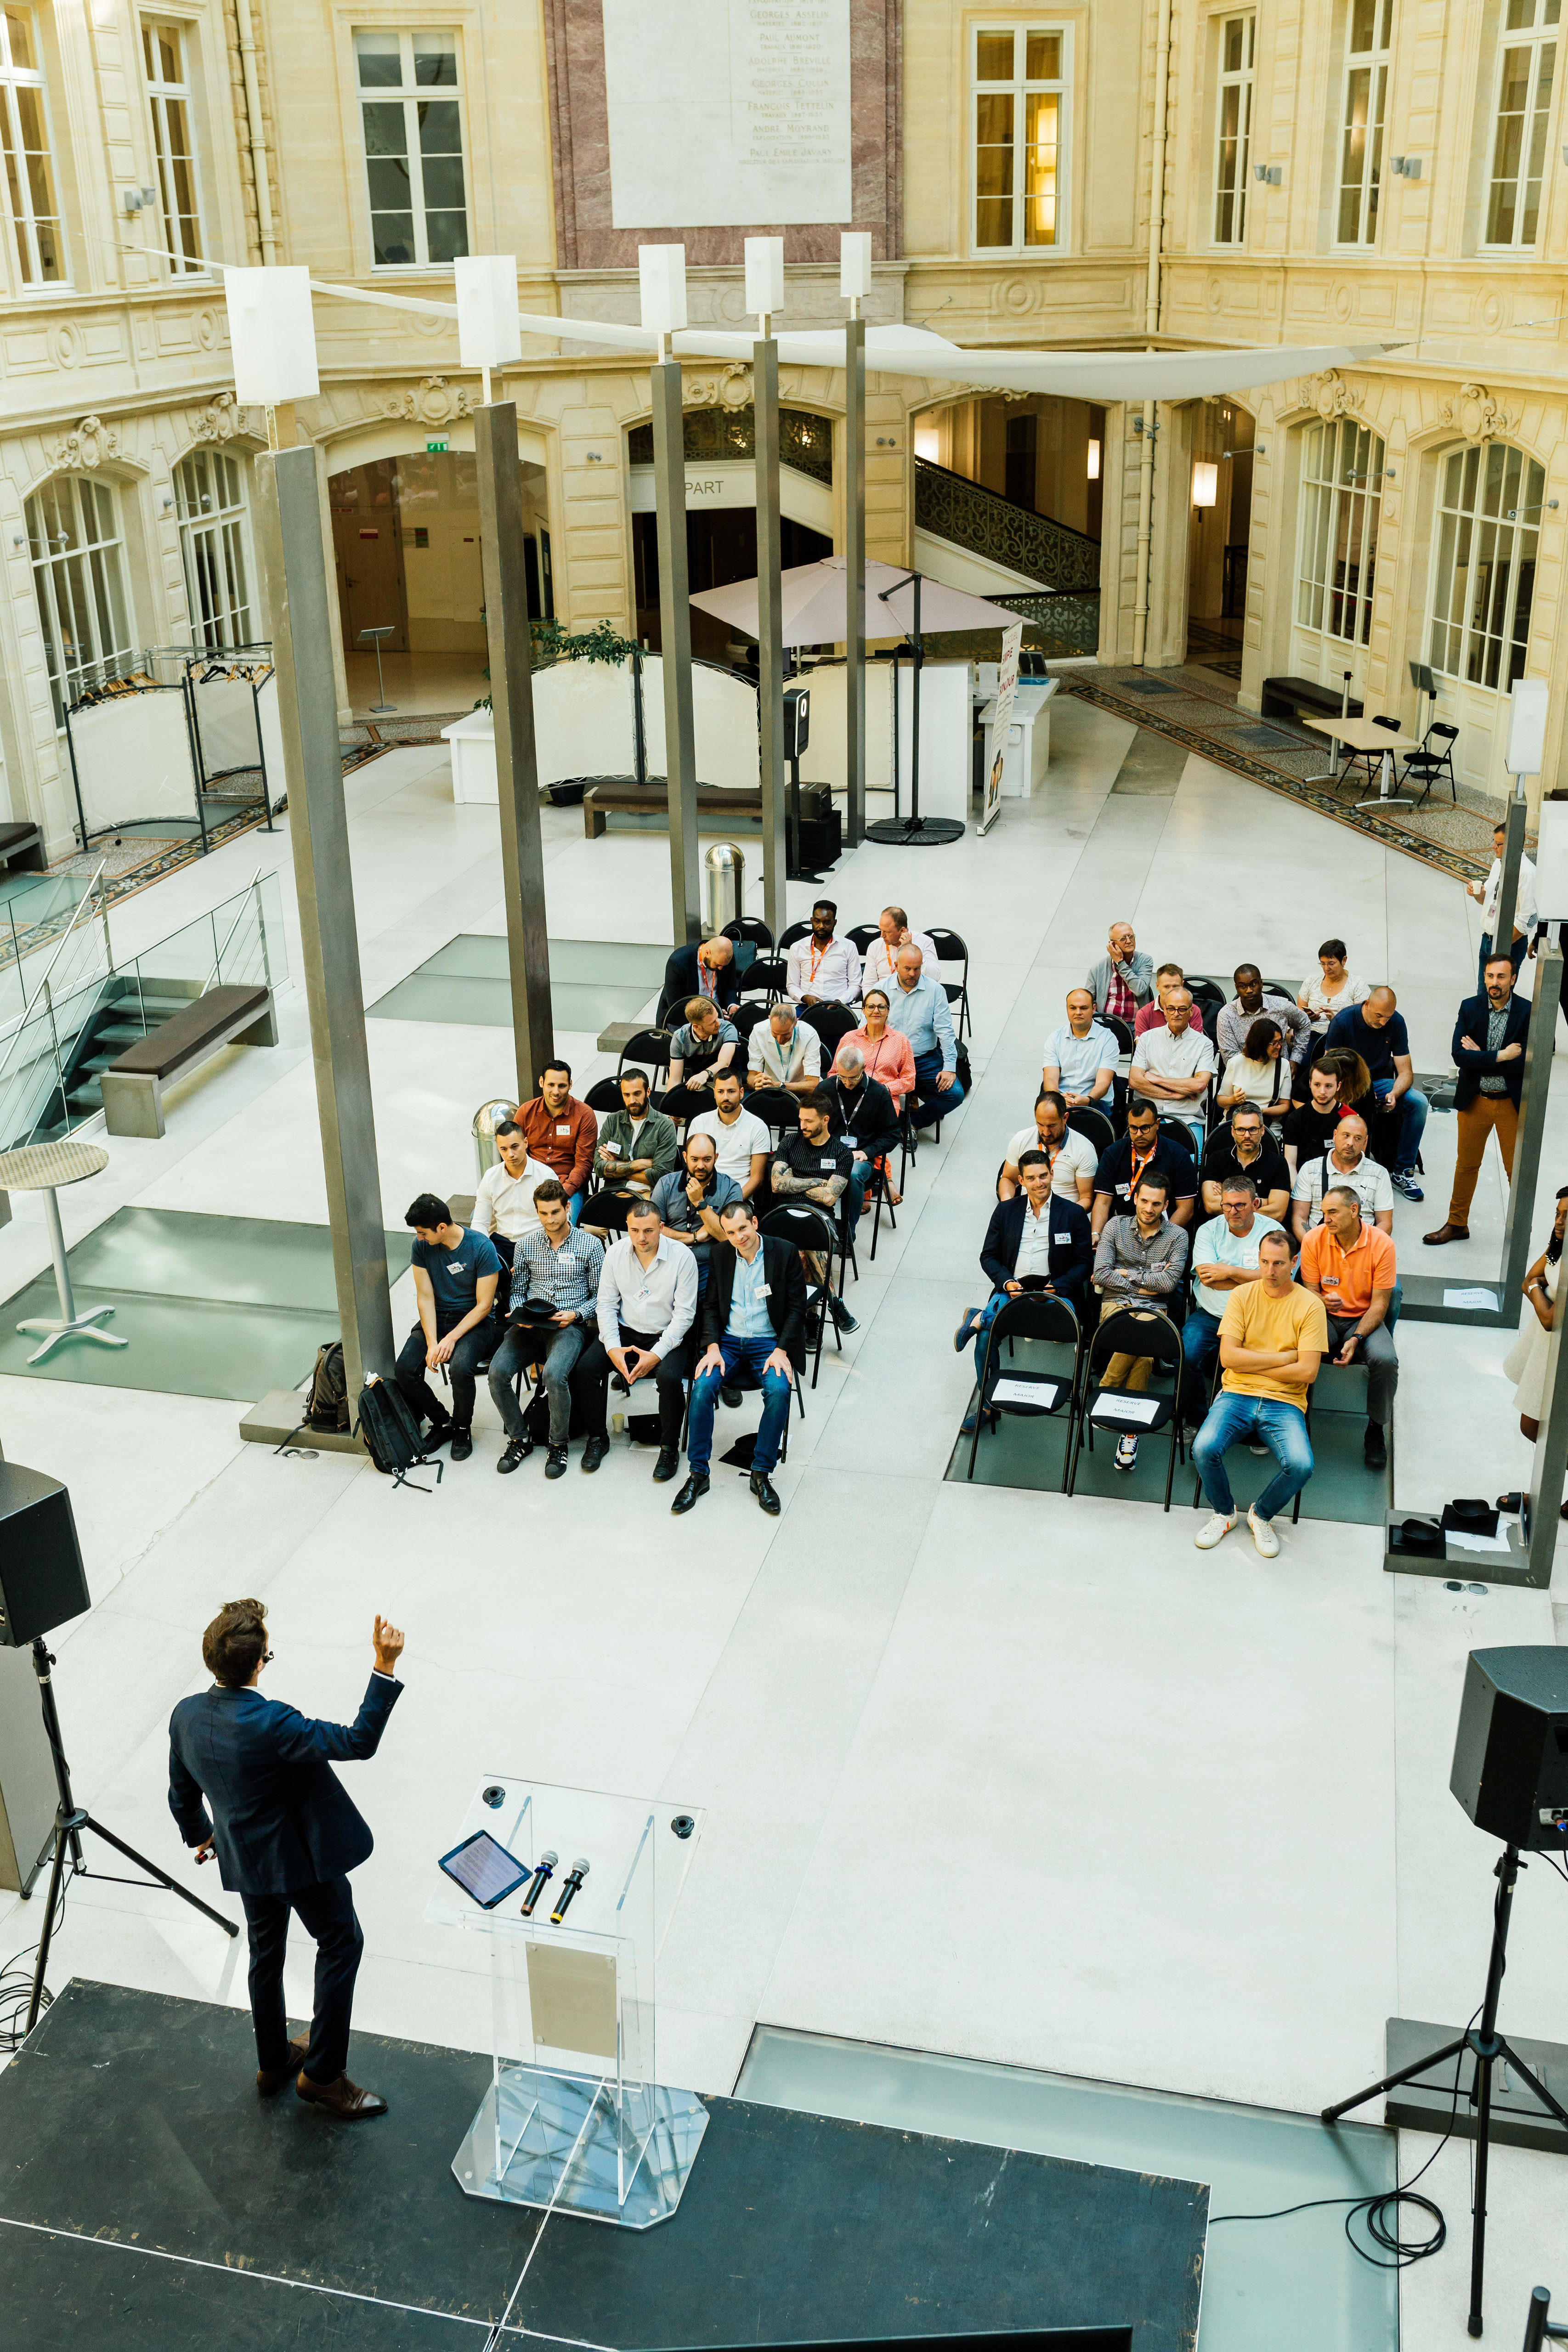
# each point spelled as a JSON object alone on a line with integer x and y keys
{"x": 822, "y": 840}
{"x": 41, "y": 1578}
{"x": 1510, "y": 1757}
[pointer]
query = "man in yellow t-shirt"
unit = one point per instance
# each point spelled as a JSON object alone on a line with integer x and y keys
{"x": 1273, "y": 1335}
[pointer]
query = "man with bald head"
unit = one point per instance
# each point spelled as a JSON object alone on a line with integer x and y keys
{"x": 917, "y": 1007}
{"x": 1377, "y": 1031}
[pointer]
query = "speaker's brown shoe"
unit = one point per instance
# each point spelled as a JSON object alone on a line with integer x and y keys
{"x": 1446, "y": 1234}
{"x": 270, "y": 2079}
{"x": 342, "y": 2098}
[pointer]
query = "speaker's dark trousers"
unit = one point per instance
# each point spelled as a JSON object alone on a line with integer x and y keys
{"x": 673, "y": 1370}
{"x": 326, "y": 1913}
{"x": 462, "y": 1365}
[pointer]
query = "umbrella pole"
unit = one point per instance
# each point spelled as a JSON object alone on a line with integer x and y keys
{"x": 915, "y": 723}
{"x": 855, "y": 567}
{"x": 914, "y": 831}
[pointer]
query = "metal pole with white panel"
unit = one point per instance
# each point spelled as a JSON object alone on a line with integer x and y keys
{"x": 661, "y": 270}
{"x": 854, "y": 285}
{"x": 765, "y": 298}
{"x": 1526, "y": 750}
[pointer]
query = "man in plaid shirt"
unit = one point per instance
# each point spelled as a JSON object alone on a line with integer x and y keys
{"x": 560, "y": 1264}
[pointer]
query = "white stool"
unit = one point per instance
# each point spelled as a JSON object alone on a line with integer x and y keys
{"x": 40, "y": 1168}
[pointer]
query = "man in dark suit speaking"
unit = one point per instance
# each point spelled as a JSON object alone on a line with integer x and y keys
{"x": 286, "y": 1835}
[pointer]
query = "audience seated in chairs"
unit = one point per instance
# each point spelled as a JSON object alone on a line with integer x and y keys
{"x": 707, "y": 1043}
{"x": 1225, "y": 1257}
{"x": 1243, "y": 1146}
{"x": 556, "y": 1268}
{"x": 1123, "y": 979}
{"x": 1036, "y": 1240}
{"x": 1252, "y": 1000}
{"x": 1080, "y": 1057}
{"x": 562, "y": 1131}
{"x": 503, "y": 1205}
{"x": 1138, "y": 1260}
{"x": 861, "y": 1111}
{"x": 1377, "y": 1031}
{"x": 886, "y": 1051}
{"x": 783, "y": 1056}
{"x": 753, "y": 1313}
{"x": 1335, "y": 988}
{"x": 646, "y": 1306}
{"x": 455, "y": 1271}
{"x": 1350, "y": 1266}
{"x": 690, "y": 1201}
{"x": 893, "y": 932}
{"x": 1167, "y": 976}
{"x": 1072, "y": 1157}
{"x": 1489, "y": 1038}
{"x": 1273, "y": 1335}
{"x": 702, "y": 969}
{"x": 1333, "y": 1086}
{"x": 741, "y": 1141}
{"x": 919, "y": 1007}
{"x": 822, "y": 975}
{"x": 1345, "y": 1162}
{"x": 636, "y": 1146}
{"x": 1144, "y": 1146}
{"x": 1259, "y": 1074}
{"x": 1171, "y": 1068}
{"x": 810, "y": 1163}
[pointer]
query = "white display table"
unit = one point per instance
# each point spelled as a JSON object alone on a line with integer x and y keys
{"x": 473, "y": 743}
{"x": 1027, "y": 751}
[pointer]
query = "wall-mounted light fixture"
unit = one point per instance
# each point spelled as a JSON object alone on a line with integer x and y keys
{"x": 1405, "y": 166}
{"x": 1269, "y": 175}
{"x": 1094, "y": 461}
{"x": 1206, "y": 482}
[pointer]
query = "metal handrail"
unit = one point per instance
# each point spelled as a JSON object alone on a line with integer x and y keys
{"x": 249, "y": 898}
{"x": 65, "y": 939}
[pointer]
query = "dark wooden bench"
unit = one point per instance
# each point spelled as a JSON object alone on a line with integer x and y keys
{"x": 22, "y": 845}
{"x": 629, "y": 798}
{"x": 133, "y": 1082}
{"x": 1287, "y": 698}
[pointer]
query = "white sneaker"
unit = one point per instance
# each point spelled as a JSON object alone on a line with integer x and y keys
{"x": 1213, "y": 1531}
{"x": 1263, "y": 1536}
{"x": 1126, "y": 1453}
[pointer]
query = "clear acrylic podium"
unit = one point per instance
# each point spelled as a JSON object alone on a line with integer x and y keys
{"x": 575, "y": 2118}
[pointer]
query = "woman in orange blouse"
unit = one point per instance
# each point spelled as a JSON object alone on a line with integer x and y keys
{"x": 888, "y": 1054}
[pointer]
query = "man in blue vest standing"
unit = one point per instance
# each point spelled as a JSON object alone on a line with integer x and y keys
{"x": 286, "y": 1835}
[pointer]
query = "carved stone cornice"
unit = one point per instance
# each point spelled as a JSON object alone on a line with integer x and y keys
{"x": 434, "y": 401}
{"x": 85, "y": 450}
{"x": 1476, "y": 414}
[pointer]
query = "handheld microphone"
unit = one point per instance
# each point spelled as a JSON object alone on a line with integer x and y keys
{"x": 542, "y": 1876}
{"x": 578, "y": 1873}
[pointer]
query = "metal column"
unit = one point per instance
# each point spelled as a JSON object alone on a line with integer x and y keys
{"x": 502, "y": 541}
{"x": 674, "y": 637}
{"x": 1540, "y": 1046}
{"x": 1546, "y": 1467}
{"x": 770, "y": 636}
{"x": 294, "y": 559}
{"x": 854, "y": 572}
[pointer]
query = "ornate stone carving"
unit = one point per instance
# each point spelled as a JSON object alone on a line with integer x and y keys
{"x": 222, "y": 418}
{"x": 434, "y": 401}
{"x": 732, "y": 390}
{"x": 1476, "y": 414}
{"x": 1332, "y": 396}
{"x": 85, "y": 449}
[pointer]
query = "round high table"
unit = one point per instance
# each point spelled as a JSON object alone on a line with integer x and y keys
{"x": 42, "y": 1168}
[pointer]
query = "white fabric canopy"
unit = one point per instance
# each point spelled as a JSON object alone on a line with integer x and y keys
{"x": 816, "y": 601}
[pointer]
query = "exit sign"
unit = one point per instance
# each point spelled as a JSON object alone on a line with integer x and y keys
{"x": 436, "y": 448}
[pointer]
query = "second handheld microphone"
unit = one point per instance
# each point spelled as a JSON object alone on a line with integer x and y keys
{"x": 540, "y": 1879}
{"x": 570, "y": 1885}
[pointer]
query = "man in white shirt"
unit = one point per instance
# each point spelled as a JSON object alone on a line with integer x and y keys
{"x": 1489, "y": 892}
{"x": 1171, "y": 1068}
{"x": 503, "y": 1205}
{"x": 741, "y": 1141}
{"x": 1346, "y": 1164}
{"x": 881, "y": 965}
{"x": 646, "y": 1303}
{"x": 822, "y": 975}
{"x": 1080, "y": 1057}
{"x": 1225, "y": 1257}
{"x": 1071, "y": 1156}
{"x": 783, "y": 1052}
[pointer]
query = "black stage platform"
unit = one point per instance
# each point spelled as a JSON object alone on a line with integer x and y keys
{"x": 151, "y": 2202}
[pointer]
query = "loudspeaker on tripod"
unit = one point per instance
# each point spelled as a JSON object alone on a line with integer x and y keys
{"x": 1510, "y": 1753}
{"x": 42, "y": 1582}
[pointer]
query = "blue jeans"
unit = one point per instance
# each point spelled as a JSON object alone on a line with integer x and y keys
{"x": 1232, "y": 1419}
{"x": 574, "y": 1204}
{"x": 1413, "y": 1110}
{"x": 930, "y": 1105}
{"x": 754, "y": 1354}
{"x": 1200, "y": 1346}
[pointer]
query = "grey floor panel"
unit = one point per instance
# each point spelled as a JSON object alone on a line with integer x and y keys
{"x": 467, "y": 983}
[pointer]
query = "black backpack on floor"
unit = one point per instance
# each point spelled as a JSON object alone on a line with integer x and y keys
{"x": 392, "y": 1435}
{"x": 327, "y": 1404}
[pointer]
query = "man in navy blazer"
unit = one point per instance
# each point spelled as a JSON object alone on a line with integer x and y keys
{"x": 1489, "y": 1038}
{"x": 286, "y": 1835}
{"x": 1036, "y": 1240}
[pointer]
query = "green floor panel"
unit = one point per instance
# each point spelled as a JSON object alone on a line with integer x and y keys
{"x": 483, "y": 955}
{"x": 468, "y": 983}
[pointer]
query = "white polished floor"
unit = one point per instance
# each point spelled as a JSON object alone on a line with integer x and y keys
{"x": 985, "y": 1772}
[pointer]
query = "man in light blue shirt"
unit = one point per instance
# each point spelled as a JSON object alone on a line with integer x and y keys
{"x": 1080, "y": 1057}
{"x": 1224, "y": 1255}
{"x": 919, "y": 1008}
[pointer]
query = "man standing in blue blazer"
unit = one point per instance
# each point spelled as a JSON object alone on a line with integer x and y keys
{"x": 286, "y": 1835}
{"x": 1489, "y": 1038}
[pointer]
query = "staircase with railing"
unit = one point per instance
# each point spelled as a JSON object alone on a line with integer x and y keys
{"x": 966, "y": 514}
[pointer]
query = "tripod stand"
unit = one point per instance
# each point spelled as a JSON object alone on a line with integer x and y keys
{"x": 1488, "y": 2045}
{"x": 70, "y": 1820}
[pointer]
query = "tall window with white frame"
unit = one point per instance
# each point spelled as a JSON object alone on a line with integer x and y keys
{"x": 1020, "y": 99}
{"x": 1483, "y": 563}
{"x": 78, "y": 550}
{"x": 1340, "y": 504}
{"x": 1525, "y": 71}
{"x": 413, "y": 147}
{"x": 1362, "y": 114}
{"x": 1233, "y": 127}
{"x": 165, "y": 60}
{"x": 30, "y": 195}
{"x": 215, "y": 540}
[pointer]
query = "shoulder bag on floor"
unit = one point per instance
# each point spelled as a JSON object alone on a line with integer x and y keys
{"x": 392, "y": 1435}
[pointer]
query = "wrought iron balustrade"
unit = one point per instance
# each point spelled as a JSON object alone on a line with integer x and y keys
{"x": 965, "y": 513}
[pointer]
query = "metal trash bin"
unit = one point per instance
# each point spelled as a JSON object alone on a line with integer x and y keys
{"x": 487, "y": 1118}
{"x": 724, "y": 886}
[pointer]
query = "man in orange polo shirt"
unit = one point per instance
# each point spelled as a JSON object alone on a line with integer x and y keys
{"x": 562, "y": 1131}
{"x": 1348, "y": 1265}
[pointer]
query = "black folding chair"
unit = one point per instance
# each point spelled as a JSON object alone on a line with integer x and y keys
{"x": 1197, "y": 1473}
{"x": 1121, "y": 1030}
{"x": 603, "y": 1095}
{"x": 648, "y": 1050}
{"x": 861, "y": 936}
{"x": 1433, "y": 765}
{"x": 1085, "y": 1120}
{"x": 747, "y": 1017}
{"x": 950, "y": 949}
{"x": 1036, "y": 1318}
{"x": 1131, "y": 1332}
{"x": 788, "y": 937}
{"x": 750, "y": 928}
{"x": 768, "y": 975}
{"x": 1371, "y": 758}
{"x": 1205, "y": 992}
{"x": 742, "y": 1377}
{"x": 806, "y": 1227}
{"x": 1178, "y": 1131}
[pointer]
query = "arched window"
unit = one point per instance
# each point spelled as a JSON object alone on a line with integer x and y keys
{"x": 74, "y": 538}
{"x": 1483, "y": 563}
{"x": 209, "y": 488}
{"x": 1342, "y": 497}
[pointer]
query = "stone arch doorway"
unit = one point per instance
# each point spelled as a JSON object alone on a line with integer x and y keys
{"x": 1219, "y": 523}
